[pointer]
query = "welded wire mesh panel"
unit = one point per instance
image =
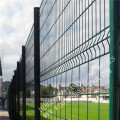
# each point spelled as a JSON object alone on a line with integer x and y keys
{"x": 74, "y": 59}
{"x": 29, "y": 57}
{"x": 29, "y": 74}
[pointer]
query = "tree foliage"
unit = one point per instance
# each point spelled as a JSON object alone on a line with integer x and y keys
{"x": 46, "y": 91}
{"x": 72, "y": 87}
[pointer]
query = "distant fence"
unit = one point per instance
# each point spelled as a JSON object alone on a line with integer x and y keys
{"x": 69, "y": 68}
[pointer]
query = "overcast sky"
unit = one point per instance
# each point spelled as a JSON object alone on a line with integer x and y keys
{"x": 16, "y": 19}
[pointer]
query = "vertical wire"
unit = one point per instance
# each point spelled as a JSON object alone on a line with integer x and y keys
{"x": 53, "y": 96}
{"x": 64, "y": 50}
{"x": 62, "y": 32}
{"x": 57, "y": 97}
{"x": 92, "y": 22}
{"x": 79, "y": 93}
{"x": 77, "y": 44}
{"x": 59, "y": 30}
{"x": 43, "y": 41}
{"x": 71, "y": 92}
{"x": 44, "y": 98}
{"x": 99, "y": 89}
{"x": 69, "y": 32}
{"x": 85, "y": 25}
{"x": 54, "y": 38}
{"x": 82, "y": 24}
{"x": 58, "y": 37}
{"x": 57, "y": 53}
{"x": 48, "y": 97}
{"x": 48, "y": 100}
{"x": 73, "y": 43}
{"x": 79, "y": 67}
{"x": 61, "y": 52}
{"x": 95, "y": 25}
{"x": 55, "y": 31}
{"x": 103, "y": 28}
{"x": 65, "y": 93}
{"x": 69, "y": 28}
{"x": 99, "y": 67}
{"x": 104, "y": 18}
{"x": 88, "y": 67}
{"x": 76, "y": 28}
{"x": 65, "y": 58}
{"x": 51, "y": 83}
{"x": 64, "y": 38}
{"x": 60, "y": 93}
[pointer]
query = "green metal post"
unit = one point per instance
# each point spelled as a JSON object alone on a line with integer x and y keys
{"x": 114, "y": 60}
{"x": 18, "y": 92}
{"x": 36, "y": 63}
{"x": 24, "y": 86}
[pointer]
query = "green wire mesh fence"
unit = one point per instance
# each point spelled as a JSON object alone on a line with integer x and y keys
{"x": 74, "y": 59}
{"x": 29, "y": 73}
{"x": 64, "y": 71}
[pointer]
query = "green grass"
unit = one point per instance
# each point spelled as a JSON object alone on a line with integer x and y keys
{"x": 21, "y": 109}
{"x": 30, "y": 115}
{"x": 71, "y": 111}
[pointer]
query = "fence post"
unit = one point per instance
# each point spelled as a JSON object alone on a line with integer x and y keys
{"x": 18, "y": 93}
{"x": 24, "y": 87}
{"x": 11, "y": 101}
{"x": 15, "y": 73}
{"x": 114, "y": 65}
{"x": 36, "y": 63}
{"x": 14, "y": 81}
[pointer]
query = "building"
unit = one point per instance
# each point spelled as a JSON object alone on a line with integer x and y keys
{"x": 1, "y": 80}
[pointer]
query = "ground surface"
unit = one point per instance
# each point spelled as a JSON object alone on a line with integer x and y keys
{"x": 95, "y": 111}
{"x": 3, "y": 114}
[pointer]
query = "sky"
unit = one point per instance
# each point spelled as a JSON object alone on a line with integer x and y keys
{"x": 16, "y": 22}
{"x": 16, "y": 19}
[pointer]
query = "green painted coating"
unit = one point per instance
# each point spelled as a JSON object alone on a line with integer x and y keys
{"x": 112, "y": 54}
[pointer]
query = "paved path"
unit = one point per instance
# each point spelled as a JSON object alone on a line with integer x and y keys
{"x": 4, "y": 114}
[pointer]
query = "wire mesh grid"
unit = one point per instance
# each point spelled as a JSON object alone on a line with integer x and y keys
{"x": 74, "y": 59}
{"x": 29, "y": 74}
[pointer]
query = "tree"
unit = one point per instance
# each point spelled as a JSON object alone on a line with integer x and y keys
{"x": 72, "y": 87}
{"x": 47, "y": 91}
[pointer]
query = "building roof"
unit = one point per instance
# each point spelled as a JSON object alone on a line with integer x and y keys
{"x": 0, "y": 68}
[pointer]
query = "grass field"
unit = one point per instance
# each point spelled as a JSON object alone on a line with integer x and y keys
{"x": 71, "y": 111}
